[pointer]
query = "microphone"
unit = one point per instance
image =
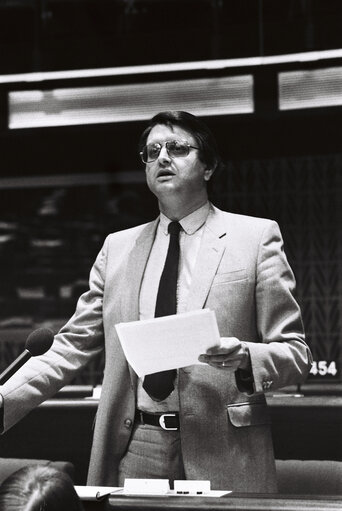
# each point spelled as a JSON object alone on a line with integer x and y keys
{"x": 37, "y": 343}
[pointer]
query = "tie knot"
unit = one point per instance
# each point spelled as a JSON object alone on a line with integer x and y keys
{"x": 174, "y": 228}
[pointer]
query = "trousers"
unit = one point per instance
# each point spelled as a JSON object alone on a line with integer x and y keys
{"x": 152, "y": 453}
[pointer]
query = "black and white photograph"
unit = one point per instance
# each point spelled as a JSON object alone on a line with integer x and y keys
{"x": 171, "y": 255}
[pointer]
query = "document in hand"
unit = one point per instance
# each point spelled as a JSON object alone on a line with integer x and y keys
{"x": 169, "y": 342}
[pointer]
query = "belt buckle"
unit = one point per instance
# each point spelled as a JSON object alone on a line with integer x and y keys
{"x": 162, "y": 421}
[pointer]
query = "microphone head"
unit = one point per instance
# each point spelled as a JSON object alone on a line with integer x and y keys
{"x": 39, "y": 341}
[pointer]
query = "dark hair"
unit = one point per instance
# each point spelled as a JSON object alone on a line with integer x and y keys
{"x": 39, "y": 488}
{"x": 208, "y": 151}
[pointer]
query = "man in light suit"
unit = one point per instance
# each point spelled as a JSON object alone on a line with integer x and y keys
{"x": 214, "y": 422}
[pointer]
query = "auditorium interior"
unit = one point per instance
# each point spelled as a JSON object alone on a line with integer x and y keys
{"x": 79, "y": 79}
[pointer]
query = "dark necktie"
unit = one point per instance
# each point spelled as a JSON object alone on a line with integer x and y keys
{"x": 160, "y": 385}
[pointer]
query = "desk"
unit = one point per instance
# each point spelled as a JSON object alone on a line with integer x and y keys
{"x": 236, "y": 502}
{"x": 306, "y": 427}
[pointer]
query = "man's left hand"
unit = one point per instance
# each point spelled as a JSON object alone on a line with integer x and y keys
{"x": 231, "y": 355}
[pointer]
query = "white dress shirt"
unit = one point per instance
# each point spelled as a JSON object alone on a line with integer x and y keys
{"x": 189, "y": 241}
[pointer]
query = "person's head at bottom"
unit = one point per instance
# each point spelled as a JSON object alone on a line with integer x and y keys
{"x": 39, "y": 488}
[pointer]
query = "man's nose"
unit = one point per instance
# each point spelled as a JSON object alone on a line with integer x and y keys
{"x": 163, "y": 155}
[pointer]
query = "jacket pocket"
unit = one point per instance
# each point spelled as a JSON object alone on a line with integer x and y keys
{"x": 231, "y": 276}
{"x": 248, "y": 414}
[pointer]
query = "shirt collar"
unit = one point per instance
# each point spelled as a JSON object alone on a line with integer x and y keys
{"x": 190, "y": 223}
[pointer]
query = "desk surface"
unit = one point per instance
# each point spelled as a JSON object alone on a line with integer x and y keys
{"x": 236, "y": 502}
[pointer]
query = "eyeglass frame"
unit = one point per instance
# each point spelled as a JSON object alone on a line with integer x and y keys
{"x": 185, "y": 142}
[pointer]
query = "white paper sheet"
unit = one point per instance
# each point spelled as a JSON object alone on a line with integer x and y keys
{"x": 96, "y": 492}
{"x": 169, "y": 342}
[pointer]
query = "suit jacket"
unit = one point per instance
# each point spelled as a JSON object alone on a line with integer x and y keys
{"x": 242, "y": 274}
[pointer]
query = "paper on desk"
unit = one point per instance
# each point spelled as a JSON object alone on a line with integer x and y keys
{"x": 168, "y": 342}
{"x": 95, "y": 492}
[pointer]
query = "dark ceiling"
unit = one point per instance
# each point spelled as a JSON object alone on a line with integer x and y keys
{"x": 46, "y": 35}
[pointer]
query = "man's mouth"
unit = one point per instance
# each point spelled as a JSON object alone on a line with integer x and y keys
{"x": 165, "y": 173}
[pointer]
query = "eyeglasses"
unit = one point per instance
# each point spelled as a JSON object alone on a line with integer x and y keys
{"x": 174, "y": 148}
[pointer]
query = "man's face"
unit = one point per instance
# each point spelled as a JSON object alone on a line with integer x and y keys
{"x": 167, "y": 175}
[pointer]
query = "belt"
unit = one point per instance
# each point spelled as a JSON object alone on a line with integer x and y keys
{"x": 168, "y": 421}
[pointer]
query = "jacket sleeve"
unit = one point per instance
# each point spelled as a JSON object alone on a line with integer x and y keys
{"x": 74, "y": 346}
{"x": 282, "y": 357}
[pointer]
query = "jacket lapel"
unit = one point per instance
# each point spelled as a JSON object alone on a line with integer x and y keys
{"x": 210, "y": 253}
{"x": 135, "y": 268}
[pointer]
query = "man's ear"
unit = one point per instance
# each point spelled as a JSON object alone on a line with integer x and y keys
{"x": 207, "y": 174}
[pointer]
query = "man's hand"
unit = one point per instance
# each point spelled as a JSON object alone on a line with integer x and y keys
{"x": 231, "y": 355}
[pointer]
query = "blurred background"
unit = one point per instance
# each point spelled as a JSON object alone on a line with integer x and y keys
{"x": 79, "y": 79}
